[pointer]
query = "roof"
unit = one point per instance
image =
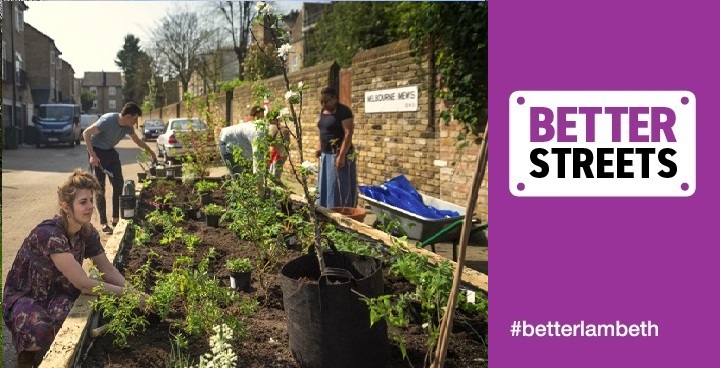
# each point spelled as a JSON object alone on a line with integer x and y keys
{"x": 46, "y": 36}
{"x": 96, "y": 79}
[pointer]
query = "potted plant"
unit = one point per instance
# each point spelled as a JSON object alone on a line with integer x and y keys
{"x": 160, "y": 171}
{"x": 314, "y": 310}
{"x": 205, "y": 188}
{"x": 144, "y": 160}
{"x": 192, "y": 209}
{"x": 212, "y": 214}
{"x": 240, "y": 272}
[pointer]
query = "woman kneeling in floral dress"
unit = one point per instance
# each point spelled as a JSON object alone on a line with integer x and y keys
{"x": 47, "y": 274}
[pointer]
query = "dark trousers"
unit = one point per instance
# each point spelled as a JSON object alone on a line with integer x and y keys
{"x": 110, "y": 161}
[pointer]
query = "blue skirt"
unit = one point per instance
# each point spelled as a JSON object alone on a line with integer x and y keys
{"x": 336, "y": 188}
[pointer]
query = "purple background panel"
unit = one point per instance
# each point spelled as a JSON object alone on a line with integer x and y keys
{"x": 606, "y": 259}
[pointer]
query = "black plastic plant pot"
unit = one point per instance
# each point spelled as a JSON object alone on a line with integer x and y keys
{"x": 205, "y": 198}
{"x": 193, "y": 213}
{"x": 212, "y": 220}
{"x": 153, "y": 171}
{"x": 160, "y": 172}
{"x": 142, "y": 176}
{"x": 328, "y": 324}
{"x": 291, "y": 240}
{"x": 240, "y": 281}
{"x": 128, "y": 206}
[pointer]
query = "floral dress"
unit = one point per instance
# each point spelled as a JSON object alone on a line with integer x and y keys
{"x": 37, "y": 296}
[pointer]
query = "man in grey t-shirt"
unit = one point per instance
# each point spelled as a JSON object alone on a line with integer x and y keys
{"x": 101, "y": 139}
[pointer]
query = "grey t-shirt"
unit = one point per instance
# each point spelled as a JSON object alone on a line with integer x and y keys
{"x": 110, "y": 131}
{"x": 240, "y": 135}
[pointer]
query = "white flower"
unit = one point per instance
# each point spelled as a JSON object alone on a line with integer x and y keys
{"x": 262, "y": 7}
{"x": 220, "y": 354}
{"x": 310, "y": 166}
{"x": 284, "y": 50}
{"x": 300, "y": 84}
{"x": 289, "y": 95}
{"x": 285, "y": 112}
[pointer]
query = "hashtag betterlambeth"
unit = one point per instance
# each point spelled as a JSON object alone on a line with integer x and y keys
{"x": 583, "y": 329}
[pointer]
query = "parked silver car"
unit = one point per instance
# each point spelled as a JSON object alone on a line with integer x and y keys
{"x": 172, "y": 144}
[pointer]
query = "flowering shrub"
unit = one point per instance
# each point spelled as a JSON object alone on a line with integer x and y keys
{"x": 220, "y": 354}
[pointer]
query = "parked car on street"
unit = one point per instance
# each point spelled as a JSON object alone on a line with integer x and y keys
{"x": 58, "y": 124}
{"x": 173, "y": 143}
{"x": 152, "y": 128}
{"x": 85, "y": 121}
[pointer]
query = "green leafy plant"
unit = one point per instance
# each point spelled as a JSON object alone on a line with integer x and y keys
{"x": 208, "y": 110}
{"x": 123, "y": 312}
{"x": 178, "y": 359}
{"x": 144, "y": 160}
{"x": 240, "y": 265}
{"x": 213, "y": 209}
{"x": 205, "y": 186}
{"x": 199, "y": 295}
{"x": 191, "y": 241}
{"x": 140, "y": 236}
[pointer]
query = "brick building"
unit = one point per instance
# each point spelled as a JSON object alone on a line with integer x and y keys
{"x": 43, "y": 65}
{"x": 15, "y": 87}
{"x": 108, "y": 90}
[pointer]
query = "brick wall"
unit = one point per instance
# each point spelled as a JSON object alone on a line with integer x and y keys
{"x": 410, "y": 143}
{"x": 416, "y": 144}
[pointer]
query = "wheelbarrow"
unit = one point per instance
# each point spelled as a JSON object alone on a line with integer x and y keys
{"x": 426, "y": 230}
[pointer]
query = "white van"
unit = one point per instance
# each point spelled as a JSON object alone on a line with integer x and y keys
{"x": 85, "y": 122}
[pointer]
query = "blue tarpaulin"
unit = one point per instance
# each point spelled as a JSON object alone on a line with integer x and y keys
{"x": 398, "y": 192}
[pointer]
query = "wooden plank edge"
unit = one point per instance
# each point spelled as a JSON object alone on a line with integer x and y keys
{"x": 470, "y": 276}
{"x": 64, "y": 350}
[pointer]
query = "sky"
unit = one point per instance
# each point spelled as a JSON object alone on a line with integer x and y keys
{"x": 90, "y": 33}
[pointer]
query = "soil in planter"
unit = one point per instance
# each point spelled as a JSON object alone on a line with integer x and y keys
{"x": 267, "y": 344}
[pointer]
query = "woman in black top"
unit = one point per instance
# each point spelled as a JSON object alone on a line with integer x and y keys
{"x": 337, "y": 180}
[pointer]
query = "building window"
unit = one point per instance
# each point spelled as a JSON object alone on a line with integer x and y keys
{"x": 294, "y": 63}
{"x": 19, "y": 19}
{"x": 18, "y": 62}
{"x": 111, "y": 104}
{"x": 52, "y": 57}
{"x": 52, "y": 82}
{"x": 59, "y": 65}
{"x": 111, "y": 92}
{"x": 93, "y": 90}
{"x": 94, "y": 105}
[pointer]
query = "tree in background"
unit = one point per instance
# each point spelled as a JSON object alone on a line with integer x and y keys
{"x": 456, "y": 36}
{"x": 260, "y": 64}
{"x": 349, "y": 27}
{"x": 136, "y": 65}
{"x": 86, "y": 100}
{"x": 238, "y": 16}
{"x": 150, "y": 101}
{"x": 178, "y": 40}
